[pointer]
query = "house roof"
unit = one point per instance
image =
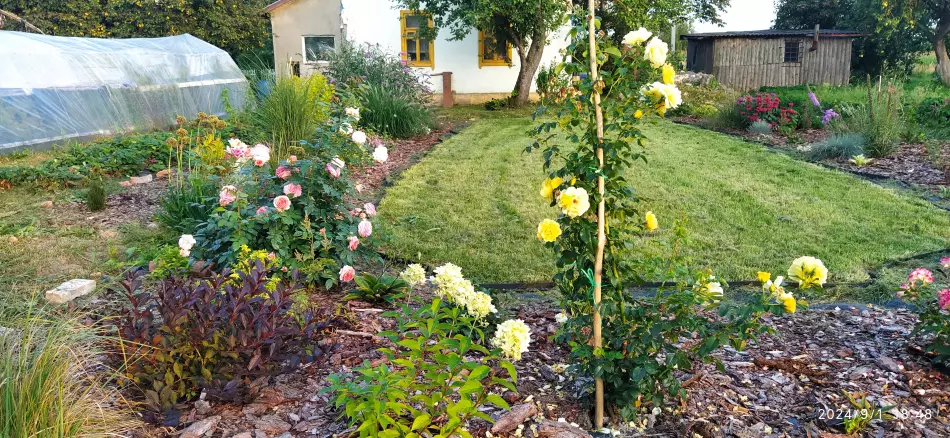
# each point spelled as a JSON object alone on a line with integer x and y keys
{"x": 276, "y": 5}
{"x": 773, "y": 33}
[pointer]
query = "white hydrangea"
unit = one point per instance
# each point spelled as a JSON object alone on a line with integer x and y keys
{"x": 480, "y": 305}
{"x": 414, "y": 274}
{"x": 512, "y": 337}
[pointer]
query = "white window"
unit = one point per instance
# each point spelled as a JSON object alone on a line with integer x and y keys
{"x": 318, "y": 47}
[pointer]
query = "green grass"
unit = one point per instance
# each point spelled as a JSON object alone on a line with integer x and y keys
{"x": 474, "y": 201}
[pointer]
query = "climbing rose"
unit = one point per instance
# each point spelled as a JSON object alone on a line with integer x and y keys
{"x": 512, "y": 337}
{"x": 669, "y": 74}
{"x": 808, "y": 271}
{"x": 548, "y": 230}
{"x": 651, "y": 221}
{"x": 228, "y": 195}
{"x": 346, "y": 273}
{"x": 763, "y": 276}
{"x": 359, "y": 137}
{"x": 381, "y": 154}
{"x": 283, "y": 172}
{"x": 788, "y": 301}
{"x": 185, "y": 243}
{"x": 655, "y": 52}
{"x": 549, "y": 186}
{"x": 943, "y": 298}
{"x": 260, "y": 154}
{"x": 414, "y": 274}
{"x": 924, "y": 276}
{"x": 333, "y": 170}
{"x": 667, "y": 95}
{"x": 365, "y": 228}
{"x": 574, "y": 201}
{"x": 636, "y": 37}
{"x": 282, "y": 203}
{"x": 293, "y": 189}
{"x": 354, "y": 243}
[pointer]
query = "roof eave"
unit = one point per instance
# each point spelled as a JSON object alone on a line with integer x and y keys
{"x": 269, "y": 8}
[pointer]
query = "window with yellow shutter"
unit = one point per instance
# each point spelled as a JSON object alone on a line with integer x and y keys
{"x": 417, "y": 51}
{"x": 493, "y": 51}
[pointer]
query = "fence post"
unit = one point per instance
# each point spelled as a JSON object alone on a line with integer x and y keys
{"x": 447, "y": 100}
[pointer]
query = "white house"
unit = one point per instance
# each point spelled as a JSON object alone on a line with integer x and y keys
{"x": 481, "y": 67}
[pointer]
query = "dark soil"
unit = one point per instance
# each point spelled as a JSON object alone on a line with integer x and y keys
{"x": 138, "y": 202}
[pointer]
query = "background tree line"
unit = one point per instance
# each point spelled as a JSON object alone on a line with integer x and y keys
{"x": 237, "y": 26}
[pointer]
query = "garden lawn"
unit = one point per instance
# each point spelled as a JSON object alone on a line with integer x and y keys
{"x": 474, "y": 201}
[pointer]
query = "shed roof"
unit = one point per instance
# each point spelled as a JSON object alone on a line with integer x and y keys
{"x": 775, "y": 33}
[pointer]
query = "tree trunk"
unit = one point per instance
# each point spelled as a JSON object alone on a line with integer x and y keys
{"x": 940, "y": 48}
{"x": 530, "y": 61}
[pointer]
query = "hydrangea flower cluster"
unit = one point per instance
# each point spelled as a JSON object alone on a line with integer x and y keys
{"x": 512, "y": 337}
{"x": 414, "y": 274}
{"x": 451, "y": 285}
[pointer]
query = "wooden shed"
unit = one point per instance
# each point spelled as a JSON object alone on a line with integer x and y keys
{"x": 751, "y": 59}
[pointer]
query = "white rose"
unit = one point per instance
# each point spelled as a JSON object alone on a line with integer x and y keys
{"x": 260, "y": 154}
{"x": 186, "y": 242}
{"x": 353, "y": 112}
{"x": 637, "y": 37}
{"x": 359, "y": 137}
{"x": 656, "y": 52}
{"x": 381, "y": 154}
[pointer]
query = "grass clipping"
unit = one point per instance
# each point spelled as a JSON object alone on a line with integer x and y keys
{"x": 50, "y": 384}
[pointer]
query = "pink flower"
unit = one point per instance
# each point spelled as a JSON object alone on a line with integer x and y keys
{"x": 292, "y": 159}
{"x": 370, "y": 209}
{"x": 282, "y": 203}
{"x": 354, "y": 243}
{"x": 945, "y": 263}
{"x": 943, "y": 298}
{"x": 261, "y": 210}
{"x": 365, "y": 228}
{"x": 333, "y": 170}
{"x": 293, "y": 189}
{"x": 271, "y": 255}
{"x": 900, "y": 294}
{"x": 237, "y": 149}
{"x": 283, "y": 172}
{"x": 922, "y": 275}
{"x": 261, "y": 154}
{"x": 346, "y": 273}
{"x": 228, "y": 195}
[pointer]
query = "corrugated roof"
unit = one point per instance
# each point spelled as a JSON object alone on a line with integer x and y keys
{"x": 771, "y": 33}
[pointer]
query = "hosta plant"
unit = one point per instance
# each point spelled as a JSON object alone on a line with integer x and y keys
{"x": 929, "y": 291}
{"x": 209, "y": 332}
{"x": 381, "y": 289}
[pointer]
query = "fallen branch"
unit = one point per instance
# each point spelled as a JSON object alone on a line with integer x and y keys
{"x": 794, "y": 367}
{"x": 359, "y": 334}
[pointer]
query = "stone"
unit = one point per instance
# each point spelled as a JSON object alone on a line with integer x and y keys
{"x": 889, "y": 364}
{"x": 558, "y": 429}
{"x": 293, "y": 417}
{"x": 125, "y": 183}
{"x": 860, "y": 373}
{"x": 46, "y": 204}
{"x": 518, "y": 414}
{"x": 285, "y": 435}
{"x": 272, "y": 425}
{"x": 162, "y": 174}
{"x": 243, "y": 435}
{"x": 200, "y": 428}
{"x": 694, "y": 78}
{"x": 548, "y": 374}
{"x": 511, "y": 397}
{"x": 70, "y": 290}
{"x": 13, "y": 239}
{"x": 202, "y": 407}
{"x": 141, "y": 179}
{"x": 108, "y": 233}
{"x": 844, "y": 353}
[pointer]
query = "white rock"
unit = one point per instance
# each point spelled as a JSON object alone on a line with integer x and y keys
{"x": 70, "y": 290}
{"x": 144, "y": 179}
{"x": 200, "y": 428}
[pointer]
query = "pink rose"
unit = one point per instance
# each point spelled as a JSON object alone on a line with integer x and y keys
{"x": 292, "y": 159}
{"x": 261, "y": 154}
{"x": 945, "y": 262}
{"x": 293, "y": 189}
{"x": 354, "y": 243}
{"x": 922, "y": 275}
{"x": 261, "y": 210}
{"x": 346, "y": 273}
{"x": 228, "y": 195}
{"x": 282, "y": 203}
{"x": 283, "y": 172}
{"x": 333, "y": 170}
{"x": 271, "y": 255}
{"x": 370, "y": 209}
{"x": 365, "y": 228}
{"x": 943, "y": 298}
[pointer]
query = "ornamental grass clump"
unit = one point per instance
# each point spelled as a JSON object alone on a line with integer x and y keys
{"x": 630, "y": 346}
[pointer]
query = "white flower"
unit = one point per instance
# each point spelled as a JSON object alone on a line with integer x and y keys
{"x": 260, "y": 154}
{"x": 655, "y": 52}
{"x": 353, "y": 112}
{"x": 381, "y": 154}
{"x": 637, "y": 37}
{"x": 512, "y": 337}
{"x": 479, "y": 305}
{"x": 715, "y": 288}
{"x": 414, "y": 274}
{"x": 359, "y": 137}
{"x": 561, "y": 318}
{"x": 185, "y": 243}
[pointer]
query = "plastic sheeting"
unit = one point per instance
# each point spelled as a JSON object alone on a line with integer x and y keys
{"x": 53, "y": 89}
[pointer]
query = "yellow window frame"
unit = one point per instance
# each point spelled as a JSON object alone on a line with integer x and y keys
{"x": 405, "y": 34}
{"x": 482, "y": 62}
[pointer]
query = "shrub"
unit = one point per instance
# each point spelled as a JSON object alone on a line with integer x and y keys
{"x": 213, "y": 333}
{"x": 390, "y": 111}
{"x": 352, "y": 65}
{"x": 760, "y": 127}
{"x": 934, "y": 111}
{"x": 930, "y": 294}
{"x": 436, "y": 379}
{"x": 47, "y": 386}
{"x": 291, "y": 111}
{"x": 551, "y": 84}
{"x": 838, "y": 146}
{"x": 95, "y": 195}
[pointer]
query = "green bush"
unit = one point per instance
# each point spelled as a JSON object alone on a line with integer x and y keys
{"x": 728, "y": 117}
{"x": 352, "y": 65}
{"x": 391, "y": 111}
{"x": 844, "y": 145}
{"x": 184, "y": 208}
{"x": 373, "y": 289}
{"x": 291, "y": 110}
{"x": 934, "y": 111}
{"x": 550, "y": 83}
{"x": 882, "y": 121}
{"x": 95, "y": 195}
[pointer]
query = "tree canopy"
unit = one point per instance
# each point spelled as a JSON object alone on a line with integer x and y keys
{"x": 617, "y": 17}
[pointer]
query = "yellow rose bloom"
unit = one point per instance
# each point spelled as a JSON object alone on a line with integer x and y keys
{"x": 763, "y": 276}
{"x": 548, "y": 230}
{"x": 669, "y": 74}
{"x": 574, "y": 201}
{"x": 637, "y": 37}
{"x": 549, "y": 186}
{"x": 573, "y": 180}
{"x": 662, "y": 94}
{"x": 788, "y": 301}
{"x": 808, "y": 272}
{"x": 652, "y": 223}
{"x": 655, "y": 52}
{"x": 638, "y": 114}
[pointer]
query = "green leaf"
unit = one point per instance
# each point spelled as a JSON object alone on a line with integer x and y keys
{"x": 613, "y": 51}
{"x": 496, "y": 400}
{"x": 471, "y": 386}
{"x": 421, "y": 422}
{"x": 511, "y": 370}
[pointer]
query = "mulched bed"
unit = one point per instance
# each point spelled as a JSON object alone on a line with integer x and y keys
{"x": 138, "y": 202}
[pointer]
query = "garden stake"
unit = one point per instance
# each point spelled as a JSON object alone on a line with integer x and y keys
{"x": 601, "y": 207}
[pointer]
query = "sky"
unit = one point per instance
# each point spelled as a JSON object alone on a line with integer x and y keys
{"x": 743, "y": 15}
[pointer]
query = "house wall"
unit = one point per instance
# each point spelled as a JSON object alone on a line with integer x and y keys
{"x": 293, "y": 20}
{"x": 377, "y": 22}
{"x": 750, "y": 63}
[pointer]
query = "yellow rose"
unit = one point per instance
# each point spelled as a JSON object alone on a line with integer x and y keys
{"x": 549, "y": 186}
{"x": 669, "y": 74}
{"x": 574, "y": 201}
{"x": 662, "y": 94}
{"x": 808, "y": 272}
{"x": 638, "y": 114}
{"x": 636, "y": 37}
{"x": 763, "y": 276}
{"x": 788, "y": 301}
{"x": 656, "y": 52}
{"x": 652, "y": 223}
{"x": 548, "y": 230}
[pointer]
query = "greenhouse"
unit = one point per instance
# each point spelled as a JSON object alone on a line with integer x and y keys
{"x": 59, "y": 89}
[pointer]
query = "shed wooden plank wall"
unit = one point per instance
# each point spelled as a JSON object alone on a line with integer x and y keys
{"x": 749, "y": 63}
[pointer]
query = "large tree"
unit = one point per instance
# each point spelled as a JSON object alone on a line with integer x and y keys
{"x": 932, "y": 19}
{"x": 527, "y": 24}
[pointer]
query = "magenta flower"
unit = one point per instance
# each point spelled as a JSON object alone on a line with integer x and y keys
{"x": 922, "y": 275}
{"x": 282, "y": 203}
{"x": 365, "y": 228}
{"x": 283, "y": 172}
{"x": 371, "y": 210}
{"x": 293, "y": 189}
{"x": 943, "y": 298}
{"x": 814, "y": 99}
{"x": 333, "y": 170}
{"x": 945, "y": 263}
{"x": 346, "y": 273}
{"x": 354, "y": 243}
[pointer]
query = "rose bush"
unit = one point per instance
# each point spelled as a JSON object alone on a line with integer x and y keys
{"x": 929, "y": 292}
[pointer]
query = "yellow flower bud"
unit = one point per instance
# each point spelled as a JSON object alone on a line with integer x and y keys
{"x": 651, "y": 221}
{"x": 638, "y": 114}
{"x": 763, "y": 276}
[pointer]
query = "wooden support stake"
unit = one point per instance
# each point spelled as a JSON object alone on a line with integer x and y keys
{"x": 601, "y": 209}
